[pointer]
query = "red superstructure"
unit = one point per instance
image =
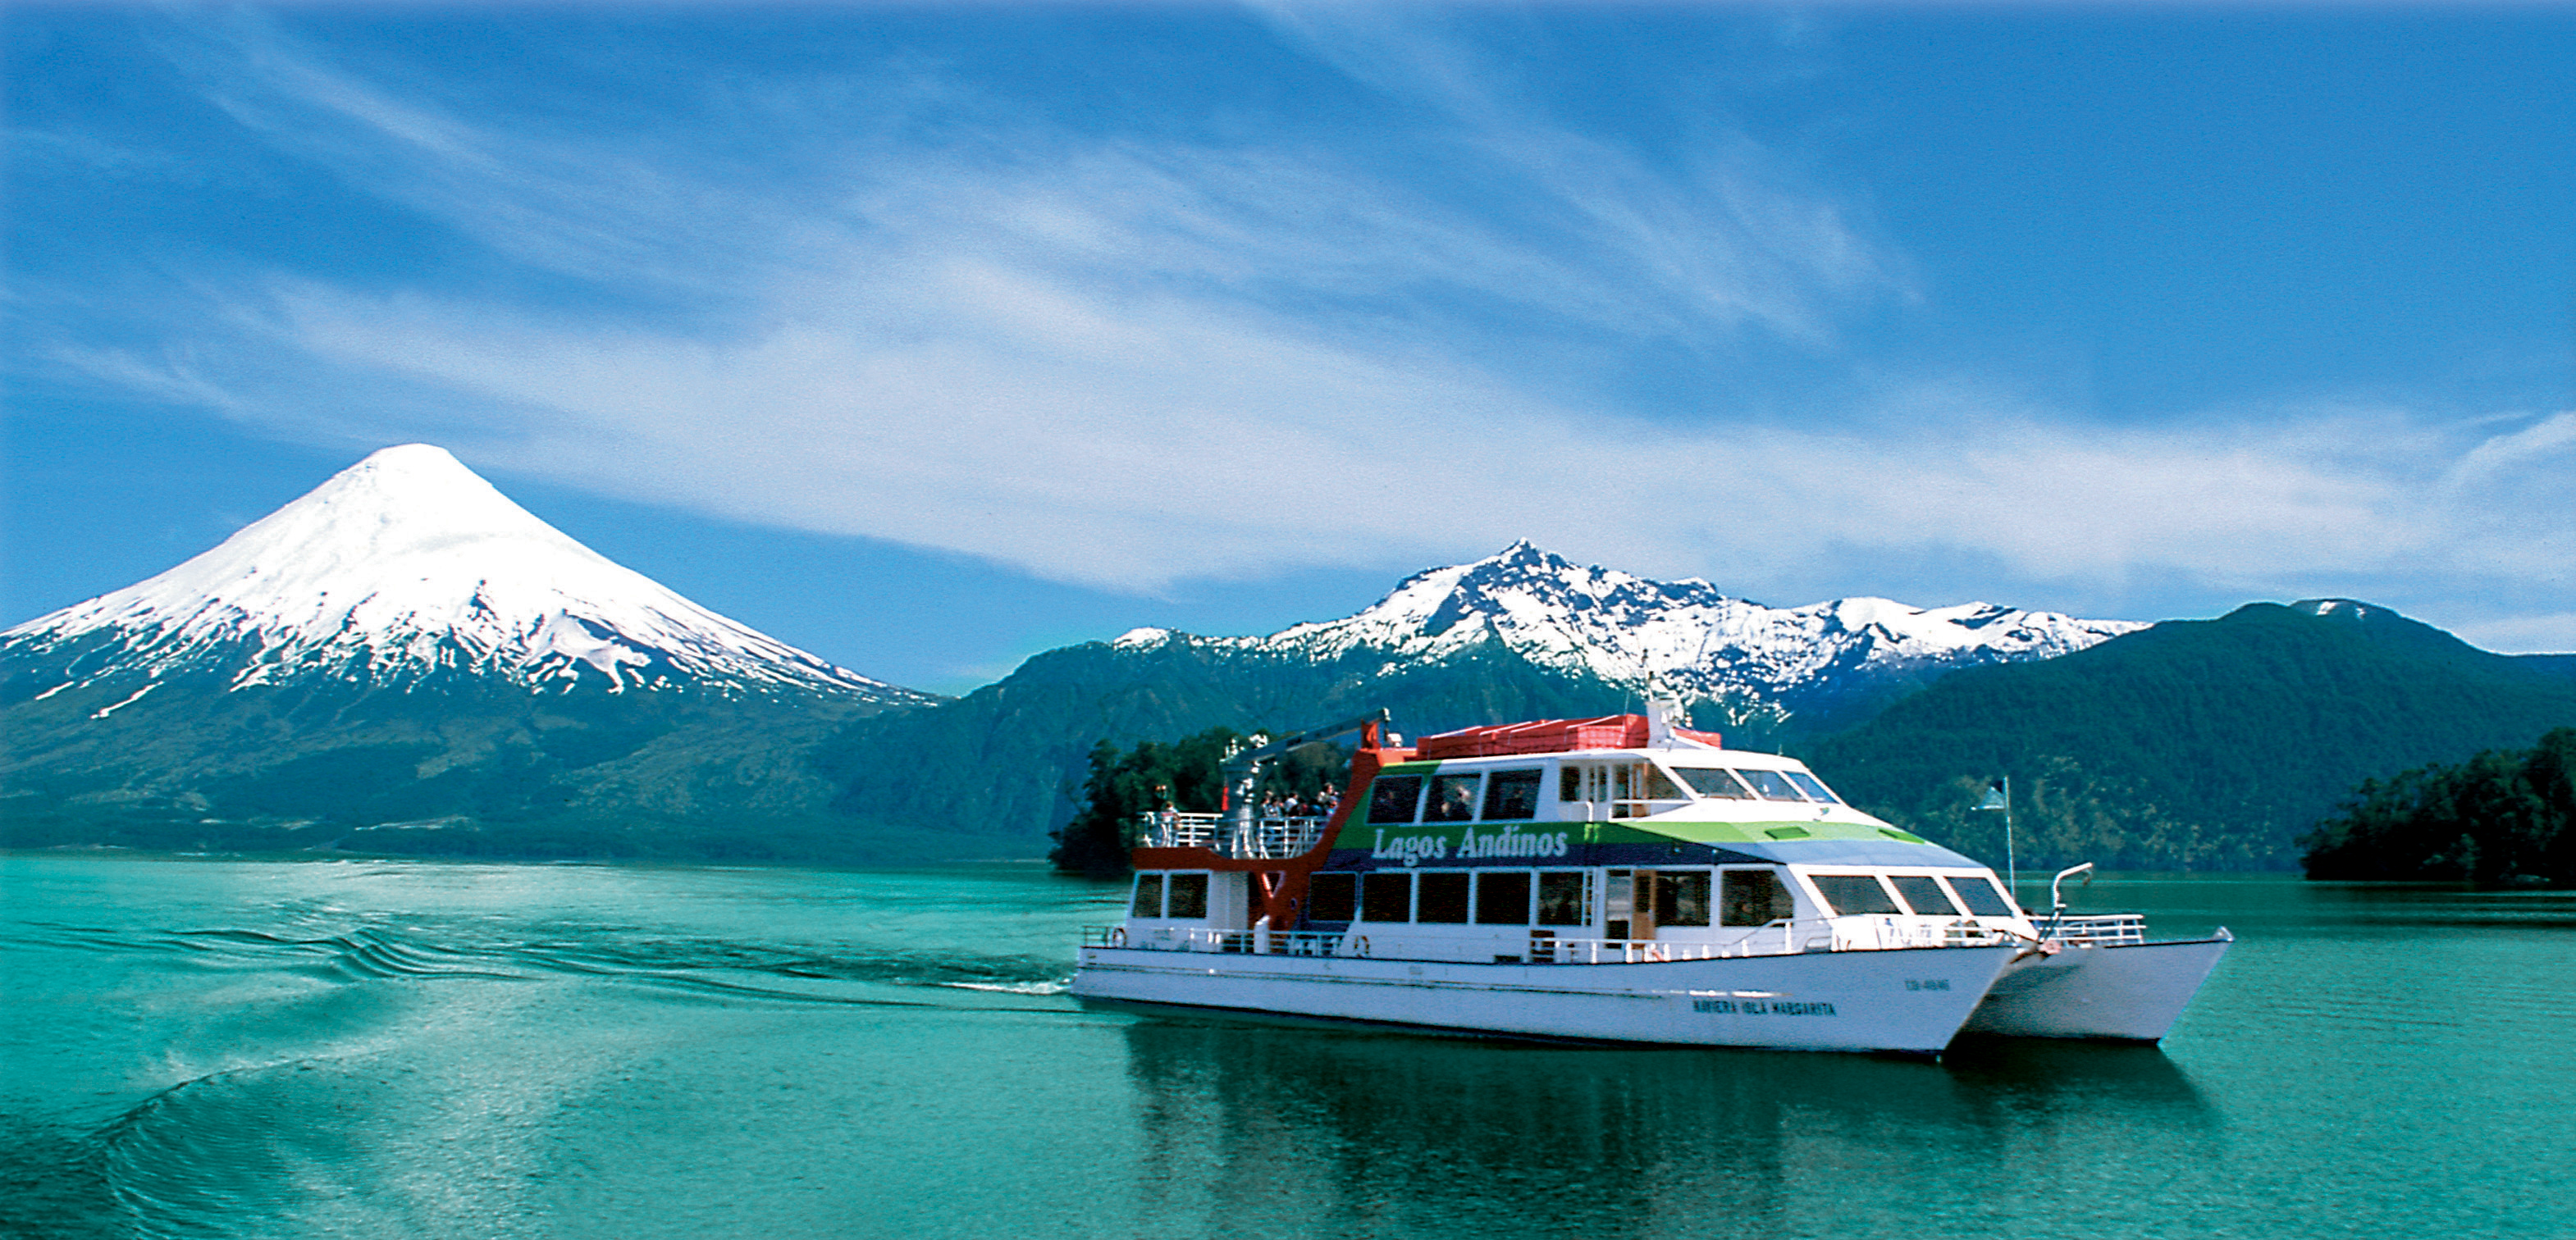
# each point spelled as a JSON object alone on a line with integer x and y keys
{"x": 1548, "y": 736}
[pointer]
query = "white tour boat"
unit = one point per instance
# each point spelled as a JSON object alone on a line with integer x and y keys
{"x": 1619, "y": 879}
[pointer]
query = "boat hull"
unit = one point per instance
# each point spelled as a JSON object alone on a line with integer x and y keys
{"x": 2130, "y": 992}
{"x": 1912, "y": 1001}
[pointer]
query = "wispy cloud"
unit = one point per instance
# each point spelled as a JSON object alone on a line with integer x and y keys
{"x": 1127, "y": 361}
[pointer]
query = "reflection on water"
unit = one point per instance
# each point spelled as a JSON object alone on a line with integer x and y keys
{"x": 373, "y": 1050}
{"x": 1403, "y": 1135}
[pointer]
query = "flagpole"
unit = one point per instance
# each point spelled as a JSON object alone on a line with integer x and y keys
{"x": 1999, "y": 796}
{"x": 2012, "y": 865}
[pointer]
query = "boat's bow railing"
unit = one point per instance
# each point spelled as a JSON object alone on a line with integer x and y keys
{"x": 1272, "y": 836}
{"x": 2099, "y": 929}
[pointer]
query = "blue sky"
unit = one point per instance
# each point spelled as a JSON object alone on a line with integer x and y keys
{"x": 927, "y": 338}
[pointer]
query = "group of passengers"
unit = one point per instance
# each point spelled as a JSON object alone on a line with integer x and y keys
{"x": 1320, "y": 805}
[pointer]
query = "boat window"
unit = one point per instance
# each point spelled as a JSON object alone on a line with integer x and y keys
{"x": 1660, "y": 787}
{"x": 1392, "y": 797}
{"x": 1149, "y": 896}
{"x": 1386, "y": 897}
{"x": 1502, "y": 898}
{"x": 1755, "y": 898}
{"x": 1981, "y": 894}
{"x": 1772, "y": 785}
{"x": 1511, "y": 796}
{"x": 1565, "y": 898}
{"x": 1188, "y": 896}
{"x": 1814, "y": 788}
{"x": 1923, "y": 894}
{"x": 1681, "y": 898}
{"x": 1708, "y": 781}
{"x": 1441, "y": 897}
{"x": 1332, "y": 897}
{"x": 1453, "y": 799}
{"x": 1569, "y": 782}
{"x": 1846, "y": 894}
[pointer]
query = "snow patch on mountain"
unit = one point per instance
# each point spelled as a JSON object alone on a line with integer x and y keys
{"x": 1685, "y": 636}
{"x": 408, "y": 564}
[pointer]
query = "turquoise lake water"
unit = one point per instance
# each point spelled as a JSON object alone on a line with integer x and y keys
{"x": 358, "y": 1048}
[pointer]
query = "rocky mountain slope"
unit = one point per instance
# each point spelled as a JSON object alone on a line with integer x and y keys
{"x": 1522, "y": 634}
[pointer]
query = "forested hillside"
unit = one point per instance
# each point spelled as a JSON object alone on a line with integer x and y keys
{"x": 2193, "y": 744}
{"x": 2501, "y": 817}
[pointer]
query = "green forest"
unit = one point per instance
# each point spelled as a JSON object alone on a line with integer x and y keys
{"x": 1189, "y": 775}
{"x": 2502, "y": 817}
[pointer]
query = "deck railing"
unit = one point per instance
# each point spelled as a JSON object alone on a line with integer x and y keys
{"x": 1274, "y": 836}
{"x": 1779, "y": 938}
{"x": 2100, "y": 929}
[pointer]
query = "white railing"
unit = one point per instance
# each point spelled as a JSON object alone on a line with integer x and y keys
{"x": 1266, "y": 837}
{"x": 1779, "y": 938}
{"x": 2102, "y": 929}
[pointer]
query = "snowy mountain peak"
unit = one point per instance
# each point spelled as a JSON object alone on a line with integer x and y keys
{"x": 1686, "y": 636}
{"x": 407, "y": 564}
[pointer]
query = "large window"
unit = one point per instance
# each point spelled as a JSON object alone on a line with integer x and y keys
{"x": 1565, "y": 898}
{"x": 1332, "y": 897}
{"x": 1814, "y": 788}
{"x": 1453, "y": 799}
{"x": 1511, "y": 796}
{"x": 1923, "y": 894}
{"x": 1188, "y": 896}
{"x": 1441, "y": 897}
{"x": 1149, "y": 896}
{"x": 1854, "y": 893}
{"x": 1502, "y": 898}
{"x": 1773, "y": 785}
{"x": 1712, "y": 782}
{"x": 1754, "y": 898}
{"x": 1681, "y": 898}
{"x": 1983, "y": 896}
{"x": 1386, "y": 897}
{"x": 1392, "y": 797}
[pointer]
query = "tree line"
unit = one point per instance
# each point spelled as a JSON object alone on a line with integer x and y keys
{"x": 1187, "y": 775}
{"x": 2504, "y": 816}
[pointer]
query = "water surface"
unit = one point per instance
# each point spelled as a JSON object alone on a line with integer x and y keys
{"x": 359, "y": 1048}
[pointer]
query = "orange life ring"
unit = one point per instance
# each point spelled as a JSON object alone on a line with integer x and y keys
{"x": 1118, "y": 936}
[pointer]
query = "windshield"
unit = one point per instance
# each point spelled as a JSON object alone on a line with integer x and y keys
{"x": 1711, "y": 782}
{"x": 1814, "y": 788}
{"x": 1772, "y": 785}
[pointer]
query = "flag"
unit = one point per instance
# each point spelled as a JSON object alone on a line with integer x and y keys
{"x": 1994, "y": 796}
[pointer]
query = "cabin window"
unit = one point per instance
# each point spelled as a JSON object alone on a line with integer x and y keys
{"x": 1332, "y": 897}
{"x": 1441, "y": 897}
{"x": 1814, "y": 788}
{"x": 1772, "y": 785}
{"x": 1386, "y": 897}
{"x": 1982, "y": 896}
{"x": 1754, "y": 898}
{"x": 1577, "y": 782}
{"x": 1681, "y": 898}
{"x": 1502, "y": 898}
{"x": 1188, "y": 898}
{"x": 1565, "y": 898}
{"x": 1453, "y": 798}
{"x": 1847, "y": 894}
{"x": 1149, "y": 896}
{"x": 1923, "y": 894}
{"x": 1511, "y": 796}
{"x": 1659, "y": 786}
{"x": 1392, "y": 797}
{"x": 1711, "y": 782}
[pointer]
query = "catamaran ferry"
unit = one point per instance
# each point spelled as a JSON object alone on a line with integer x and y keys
{"x": 1621, "y": 879}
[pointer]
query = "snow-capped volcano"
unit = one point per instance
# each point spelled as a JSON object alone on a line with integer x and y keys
{"x": 1684, "y": 636}
{"x": 407, "y": 565}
